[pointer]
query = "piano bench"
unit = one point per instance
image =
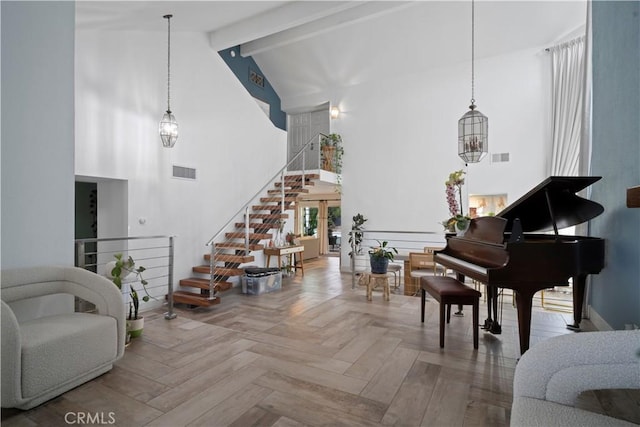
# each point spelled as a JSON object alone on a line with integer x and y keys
{"x": 447, "y": 290}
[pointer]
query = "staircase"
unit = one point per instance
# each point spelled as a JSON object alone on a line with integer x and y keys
{"x": 231, "y": 253}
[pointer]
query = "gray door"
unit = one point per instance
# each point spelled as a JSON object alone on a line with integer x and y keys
{"x": 303, "y": 127}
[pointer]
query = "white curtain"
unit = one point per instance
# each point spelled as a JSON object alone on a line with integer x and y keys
{"x": 568, "y": 96}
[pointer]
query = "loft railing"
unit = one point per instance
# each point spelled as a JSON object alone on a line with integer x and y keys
{"x": 298, "y": 159}
{"x": 403, "y": 241}
{"x": 155, "y": 253}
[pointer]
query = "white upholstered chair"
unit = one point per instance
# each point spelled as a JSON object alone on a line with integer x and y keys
{"x": 551, "y": 375}
{"x": 44, "y": 356}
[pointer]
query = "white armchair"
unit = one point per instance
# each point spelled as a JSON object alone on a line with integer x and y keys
{"x": 551, "y": 375}
{"x": 45, "y": 356}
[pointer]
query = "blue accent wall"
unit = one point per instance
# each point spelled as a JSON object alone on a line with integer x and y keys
{"x": 243, "y": 67}
{"x": 615, "y": 293}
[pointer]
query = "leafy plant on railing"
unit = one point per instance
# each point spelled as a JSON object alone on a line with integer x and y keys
{"x": 332, "y": 152}
{"x": 356, "y": 234}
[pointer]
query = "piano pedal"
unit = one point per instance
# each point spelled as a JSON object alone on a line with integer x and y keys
{"x": 459, "y": 314}
{"x": 574, "y": 327}
{"x": 487, "y": 325}
{"x": 496, "y": 329}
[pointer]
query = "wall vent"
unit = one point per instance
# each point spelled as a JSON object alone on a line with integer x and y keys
{"x": 183, "y": 172}
{"x": 499, "y": 157}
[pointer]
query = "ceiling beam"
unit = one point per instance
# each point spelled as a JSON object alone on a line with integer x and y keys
{"x": 282, "y": 18}
{"x": 360, "y": 11}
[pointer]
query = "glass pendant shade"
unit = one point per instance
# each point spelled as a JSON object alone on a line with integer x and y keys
{"x": 473, "y": 126}
{"x": 473, "y": 135}
{"x": 168, "y": 130}
{"x": 168, "y": 127}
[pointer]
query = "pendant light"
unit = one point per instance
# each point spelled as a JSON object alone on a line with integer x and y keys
{"x": 473, "y": 125}
{"x": 168, "y": 125}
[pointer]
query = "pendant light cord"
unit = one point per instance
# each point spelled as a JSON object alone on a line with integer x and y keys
{"x": 168, "y": 62}
{"x": 473, "y": 101}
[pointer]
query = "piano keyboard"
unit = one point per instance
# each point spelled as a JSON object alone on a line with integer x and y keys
{"x": 458, "y": 262}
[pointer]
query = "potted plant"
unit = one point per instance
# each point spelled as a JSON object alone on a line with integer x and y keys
{"x": 458, "y": 222}
{"x": 118, "y": 271}
{"x": 356, "y": 234}
{"x": 332, "y": 152}
{"x": 380, "y": 256}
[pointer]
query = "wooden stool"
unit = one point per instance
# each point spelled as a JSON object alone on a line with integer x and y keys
{"x": 376, "y": 279}
{"x": 395, "y": 269}
{"x": 447, "y": 290}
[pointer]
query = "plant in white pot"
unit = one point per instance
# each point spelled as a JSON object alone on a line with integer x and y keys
{"x": 380, "y": 256}
{"x": 118, "y": 271}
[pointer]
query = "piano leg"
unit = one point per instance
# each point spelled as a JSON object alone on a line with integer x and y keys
{"x": 524, "y": 300}
{"x": 496, "y": 329}
{"x": 491, "y": 324}
{"x": 579, "y": 284}
{"x": 488, "y": 321}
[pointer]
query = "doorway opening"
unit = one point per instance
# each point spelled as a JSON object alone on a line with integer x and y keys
{"x": 101, "y": 211}
{"x": 320, "y": 220}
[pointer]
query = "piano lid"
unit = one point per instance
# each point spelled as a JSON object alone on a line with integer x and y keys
{"x": 567, "y": 208}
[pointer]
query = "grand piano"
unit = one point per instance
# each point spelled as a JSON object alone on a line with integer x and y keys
{"x": 508, "y": 250}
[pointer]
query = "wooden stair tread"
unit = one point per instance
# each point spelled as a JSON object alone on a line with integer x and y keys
{"x": 239, "y": 246}
{"x": 272, "y": 208}
{"x": 260, "y": 225}
{"x": 193, "y": 298}
{"x": 278, "y": 199}
{"x": 298, "y": 184}
{"x": 218, "y": 271}
{"x": 238, "y": 259}
{"x": 268, "y": 216}
{"x": 252, "y": 236}
{"x": 196, "y": 282}
{"x": 289, "y": 191}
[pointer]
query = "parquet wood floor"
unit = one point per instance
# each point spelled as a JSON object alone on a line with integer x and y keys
{"x": 315, "y": 353}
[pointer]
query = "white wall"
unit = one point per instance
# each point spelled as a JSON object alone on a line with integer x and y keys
{"x": 121, "y": 96}
{"x": 37, "y": 133}
{"x": 400, "y": 138}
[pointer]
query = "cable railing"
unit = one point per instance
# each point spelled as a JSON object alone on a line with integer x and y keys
{"x": 404, "y": 242}
{"x": 298, "y": 160}
{"x": 154, "y": 253}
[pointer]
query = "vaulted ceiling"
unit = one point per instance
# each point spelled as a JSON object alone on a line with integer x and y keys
{"x": 307, "y": 47}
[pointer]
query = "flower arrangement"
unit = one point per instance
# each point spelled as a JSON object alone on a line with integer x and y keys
{"x": 290, "y": 238}
{"x": 453, "y": 191}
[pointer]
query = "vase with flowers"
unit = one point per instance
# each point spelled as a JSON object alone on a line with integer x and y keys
{"x": 458, "y": 222}
{"x": 291, "y": 238}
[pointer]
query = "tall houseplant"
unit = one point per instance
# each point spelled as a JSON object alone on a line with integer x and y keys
{"x": 380, "y": 256}
{"x": 356, "y": 234}
{"x": 120, "y": 269}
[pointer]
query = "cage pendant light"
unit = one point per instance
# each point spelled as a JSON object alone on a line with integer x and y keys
{"x": 473, "y": 125}
{"x": 168, "y": 125}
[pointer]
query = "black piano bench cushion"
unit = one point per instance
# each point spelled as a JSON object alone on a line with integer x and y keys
{"x": 447, "y": 290}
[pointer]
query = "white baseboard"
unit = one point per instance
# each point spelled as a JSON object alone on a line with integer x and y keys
{"x": 597, "y": 320}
